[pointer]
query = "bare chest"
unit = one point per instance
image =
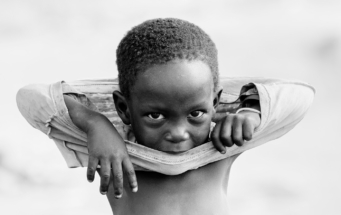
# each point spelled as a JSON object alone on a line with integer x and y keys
{"x": 200, "y": 191}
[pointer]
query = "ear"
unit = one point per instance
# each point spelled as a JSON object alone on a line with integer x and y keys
{"x": 121, "y": 106}
{"x": 217, "y": 97}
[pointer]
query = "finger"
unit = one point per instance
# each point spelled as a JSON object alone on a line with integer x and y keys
{"x": 248, "y": 130}
{"x": 224, "y": 107}
{"x": 237, "y": 130}
{"x": 118, "y": 179}
{"x": 92, "y": 165}
{"x": 130, "y": 172}
{"x": 226, "y": 131}
{"x": 216, "y": 139}
{"x": 105, "y": 176}
{"x": 218, "y": 116}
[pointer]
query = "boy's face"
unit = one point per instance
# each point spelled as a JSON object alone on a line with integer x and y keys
{"x": 171, "y": 106}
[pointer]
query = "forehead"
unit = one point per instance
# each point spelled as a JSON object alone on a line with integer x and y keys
{"x": 176, "y": 80}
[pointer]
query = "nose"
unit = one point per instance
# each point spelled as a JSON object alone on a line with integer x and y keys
{"x": 177, "y": 133}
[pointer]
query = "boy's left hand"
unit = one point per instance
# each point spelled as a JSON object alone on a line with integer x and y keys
{"x": 234, "y": 129}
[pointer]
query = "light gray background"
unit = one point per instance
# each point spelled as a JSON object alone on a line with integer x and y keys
{"x": 44, "y": 41}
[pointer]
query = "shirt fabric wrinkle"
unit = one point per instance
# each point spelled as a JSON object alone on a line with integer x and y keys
{"x": 283, "y": 105}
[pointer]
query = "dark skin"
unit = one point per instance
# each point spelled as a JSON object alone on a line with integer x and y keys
{"x": 113, "y": 158}
{"x": 202, "y": 191}
{"x": 174, "y": 117}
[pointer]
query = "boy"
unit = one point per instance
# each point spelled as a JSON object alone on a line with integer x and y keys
{"x": 169, "y": 95}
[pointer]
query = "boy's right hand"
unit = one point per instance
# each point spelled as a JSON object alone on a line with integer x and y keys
{"x": 105, "y": 146}
{"x": 107, "y": 149}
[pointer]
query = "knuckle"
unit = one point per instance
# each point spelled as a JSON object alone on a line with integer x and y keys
{"x": 104, "y": 156}
{"x": 238, "y": 117}
{"x": 104, "y": 186}
{"x": 92, "y": 157}
{"x": 229, "y": 117}
{"x": 130, "y": 173}
{"x": 215, "y": 138}
{"x": 117, "y": 158}
{"x": 118, "y": 189}
{"x": 238, "y": 142}
{"x": 214, "y": 135}
{"x": 118, "y": 177}
{"x": 247, "y": 120}
{"x": 91, "y": 170}
{"x": 215, "y": 142}
{"x": 247, "y": 117}
{"x": 106, "y": 177}
{"x": 248, "y": 136}
{"x": 101, "y": 157}
{"x": 225, "y": 137}
{"x": 229, "y": 143}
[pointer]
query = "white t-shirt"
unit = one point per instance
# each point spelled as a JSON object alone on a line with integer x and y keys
{"x": 283, "y": 105}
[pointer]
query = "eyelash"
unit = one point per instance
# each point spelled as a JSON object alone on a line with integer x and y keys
{"x": 200, "y": 114}
{"x": 160, "y": 116}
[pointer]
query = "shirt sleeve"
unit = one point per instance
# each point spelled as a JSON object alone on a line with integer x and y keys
{"x": 230, "y": 102}
{"x": 283, "y": 105}
{"x": 44, "y": 108}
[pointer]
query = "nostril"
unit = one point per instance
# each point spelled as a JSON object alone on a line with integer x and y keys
{"x": 177, "y": 137}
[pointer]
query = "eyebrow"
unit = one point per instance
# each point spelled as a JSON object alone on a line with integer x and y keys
{"x": 200, "y": 105}
{"x": 162, "y": 107}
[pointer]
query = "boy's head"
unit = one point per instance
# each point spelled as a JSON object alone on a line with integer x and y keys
{"x": 159, "y": 41}
{"x": 168, "y": 75}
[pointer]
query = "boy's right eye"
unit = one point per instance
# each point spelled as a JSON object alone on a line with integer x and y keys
{"x": 156, "y": 116}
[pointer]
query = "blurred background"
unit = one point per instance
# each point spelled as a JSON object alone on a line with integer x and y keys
{"x": 45, "y": 41}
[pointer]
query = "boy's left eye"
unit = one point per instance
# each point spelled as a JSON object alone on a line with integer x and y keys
{"x": 195, "y": 114}
{"x": 156, "y": 116}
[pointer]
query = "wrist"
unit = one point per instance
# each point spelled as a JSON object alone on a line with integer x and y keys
{"x": 248, "y": 110}
{"x": 82, "y": 117}
{"x": 252, "y": 114}
{"x": 94, "y": 120}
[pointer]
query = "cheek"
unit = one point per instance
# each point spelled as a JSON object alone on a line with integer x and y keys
{"x": 147, "y": 136}
{"x": 200, "y": 134}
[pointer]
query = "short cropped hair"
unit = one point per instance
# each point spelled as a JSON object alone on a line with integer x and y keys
{"x": 159, "y": 41}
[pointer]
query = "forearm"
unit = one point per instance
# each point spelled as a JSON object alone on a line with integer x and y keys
{"x": 82, "y": 117}
{"x": 283, "y": 105}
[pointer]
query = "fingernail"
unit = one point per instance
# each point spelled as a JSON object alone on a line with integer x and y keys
{"x": 90, "y": 180}
{"x": 135, "y": 189}
{"x": 118, "y": 196}
{"x": 223, "y": 152}
{"x": 103, "y": 192}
